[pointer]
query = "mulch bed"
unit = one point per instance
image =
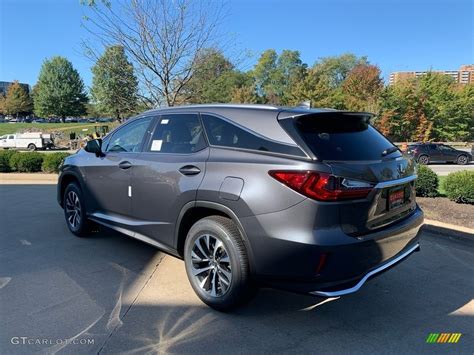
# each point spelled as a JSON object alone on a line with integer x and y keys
{"x": 444, "y": 210}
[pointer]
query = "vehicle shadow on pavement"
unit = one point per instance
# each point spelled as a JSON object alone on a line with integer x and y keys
{"x": 429, "y": 293}
{"x": 127, "y": 297}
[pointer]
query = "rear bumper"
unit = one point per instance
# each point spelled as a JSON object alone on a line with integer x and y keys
{"x": 379, "y": 269}
{"x": 288, "y": 248}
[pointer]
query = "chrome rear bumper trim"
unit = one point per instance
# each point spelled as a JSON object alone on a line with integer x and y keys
{"x": 366, "y": 277}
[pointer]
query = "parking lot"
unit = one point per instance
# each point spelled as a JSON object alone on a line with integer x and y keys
{"x": 109, "y": 294}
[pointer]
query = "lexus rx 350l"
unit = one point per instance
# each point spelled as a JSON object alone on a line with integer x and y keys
{"x": 312, "y": 201}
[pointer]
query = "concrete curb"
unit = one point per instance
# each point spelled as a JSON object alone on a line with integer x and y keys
{"x": 28, "y": 179}
{"x": 447, "y": 229}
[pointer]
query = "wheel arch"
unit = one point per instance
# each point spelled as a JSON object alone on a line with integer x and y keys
{"x": 64, "y": 180}
{"x": 196, "y": 210}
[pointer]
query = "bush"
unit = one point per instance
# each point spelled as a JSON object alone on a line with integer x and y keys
{"x": 459, "y": 186}
{"x": 427, "y": 182}
{"x": 5, "y": 157}
{"x": 52, "y": 161}
{"x": 26, "y": 162}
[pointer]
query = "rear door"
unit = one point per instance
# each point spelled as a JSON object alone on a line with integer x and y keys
{"x": 449, "y": 154}
{"x": 356, "y": 151}
{"x": 167, "y": 174}
{"x": 435, "y": 153}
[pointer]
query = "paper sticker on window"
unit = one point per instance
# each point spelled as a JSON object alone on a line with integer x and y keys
{"x": 164, "y": 121}
{"x": 156, "y": 145}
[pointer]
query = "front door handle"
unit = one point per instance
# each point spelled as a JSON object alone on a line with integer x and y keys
{"x": 189, "y": 170}
{"x": 125, "y": 165}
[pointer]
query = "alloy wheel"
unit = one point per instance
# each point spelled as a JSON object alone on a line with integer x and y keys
{"x": 423, "y": 160}
{"x": 210, "y": 264}
{"x": 462, "y": 160}
{"x": 73, "y": 209}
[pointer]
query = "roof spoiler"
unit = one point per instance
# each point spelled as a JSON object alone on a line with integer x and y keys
{"x": 286, "y": 114}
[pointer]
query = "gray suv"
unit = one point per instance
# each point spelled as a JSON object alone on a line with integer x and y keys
{"x": 312, "y": 201}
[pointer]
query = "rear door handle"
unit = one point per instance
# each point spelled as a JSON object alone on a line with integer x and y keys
{"x": 125, "y": 165}
{"x": 189, "y": 170}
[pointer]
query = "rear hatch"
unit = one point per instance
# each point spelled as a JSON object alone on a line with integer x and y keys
{"x": 359, "y": 157}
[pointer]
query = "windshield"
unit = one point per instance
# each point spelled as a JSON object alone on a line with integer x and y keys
{"x": 337, "y": 136}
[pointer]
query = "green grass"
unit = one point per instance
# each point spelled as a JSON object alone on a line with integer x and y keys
{"x": 441, "y": 190}
{"x": 8, "y": 128}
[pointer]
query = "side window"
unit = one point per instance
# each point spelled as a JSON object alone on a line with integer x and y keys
{"x": 225, "y": 134}
{"x": 178, "y": 133}
{"x": 446, "y": 148}
{"x": 129, "y": 137}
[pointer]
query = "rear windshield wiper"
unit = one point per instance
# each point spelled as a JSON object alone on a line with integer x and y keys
{"x": 389, "y": 151}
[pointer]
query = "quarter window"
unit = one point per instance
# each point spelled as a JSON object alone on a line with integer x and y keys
{"x": 225, "y": 134}
{"x": 130, "y": 137}
{"x": 178, "y": 133}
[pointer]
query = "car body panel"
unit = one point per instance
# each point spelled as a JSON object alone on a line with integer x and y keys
{"x": 160, "y": 190}
{"x": 108, "y": 184}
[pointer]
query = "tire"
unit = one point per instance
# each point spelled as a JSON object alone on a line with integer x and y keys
{"x": 75, "y": 211}
{"x": 423, "y": 159}
{"x": 462, "y": 160}
{"x": 215, "y": 245}
{"x": 31, "y": 147}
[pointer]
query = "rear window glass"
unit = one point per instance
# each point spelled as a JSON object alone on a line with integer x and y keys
{"x": 343, "y": 137}
{"x": 224, "y": 134}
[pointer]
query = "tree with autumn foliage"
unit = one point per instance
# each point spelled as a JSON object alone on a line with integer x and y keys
{"x": 2, "y": 104}
{"x": 17, "y": 100}
{"x": 430, "y": 107}
{"x": 362, "y": 88}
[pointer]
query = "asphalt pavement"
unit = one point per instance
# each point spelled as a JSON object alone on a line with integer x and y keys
{"x": 111, "y": 294}
{"x": 445, "y": 169}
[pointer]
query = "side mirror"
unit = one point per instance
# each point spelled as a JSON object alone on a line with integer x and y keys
{"x": 94, "y": 146}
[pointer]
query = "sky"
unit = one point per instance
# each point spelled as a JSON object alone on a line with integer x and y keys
{"x": 396, "y": 35}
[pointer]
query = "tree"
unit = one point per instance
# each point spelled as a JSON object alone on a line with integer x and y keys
{"x": 162, "y": 38}
{"x": 276, "y": 76}
{"x": 362, "y": 88}
{"x": 17, "y": 100}
{"x": 264, "y": 71}
{"x": 213, "y": 78}
{"x": 317, "y": 89}
{"x": 2, "y": 104}
{"x": 60, "y": 90}
{"x": 430, "y": 107}
{"x": 114, "y": 85}
{"x": 335, "y": 69}
{"x": 244, "y": 95}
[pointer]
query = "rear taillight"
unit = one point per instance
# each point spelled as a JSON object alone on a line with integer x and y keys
{"x": 322, "y": 186}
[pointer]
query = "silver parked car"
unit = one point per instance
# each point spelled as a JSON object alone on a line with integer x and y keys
{"x": 312, "y": 201}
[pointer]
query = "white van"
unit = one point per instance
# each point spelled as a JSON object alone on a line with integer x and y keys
{"x": 31, "y": 141}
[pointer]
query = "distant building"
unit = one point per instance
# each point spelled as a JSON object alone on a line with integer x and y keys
{"x": 5, "y": 84}
{"x": 465, "y": 74}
